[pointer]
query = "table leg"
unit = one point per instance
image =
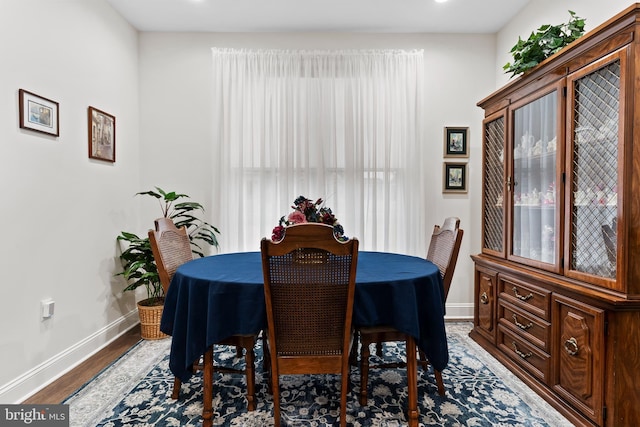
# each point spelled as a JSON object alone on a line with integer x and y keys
{"x": 207, "y": 392}
{"x": 412, "y": 382}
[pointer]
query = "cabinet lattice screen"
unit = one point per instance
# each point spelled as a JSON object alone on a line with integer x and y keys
{"x": 595, "y": 171}
{"x": 493, "y": 185}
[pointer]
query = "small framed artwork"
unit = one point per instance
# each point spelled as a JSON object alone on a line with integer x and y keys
{"x": 455, "y": 178}
{"x": 455, "y": 142}
{"x": 102, "y": 135}
{"x": 37, "y": 113}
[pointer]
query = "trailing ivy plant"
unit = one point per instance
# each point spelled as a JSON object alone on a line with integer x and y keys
{"x": 543, "y": 43}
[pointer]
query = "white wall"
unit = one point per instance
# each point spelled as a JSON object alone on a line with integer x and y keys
{"x": 175, "y": 96}
{"x": 61, "y": 211}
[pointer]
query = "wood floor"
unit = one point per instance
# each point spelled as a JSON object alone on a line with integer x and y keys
{"x": 64, "y": 386}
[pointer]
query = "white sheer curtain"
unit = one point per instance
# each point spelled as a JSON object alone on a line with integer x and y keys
{"x": 344, "y": 126}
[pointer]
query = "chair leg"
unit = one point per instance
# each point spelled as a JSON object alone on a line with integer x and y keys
{"x": 424, "y": 362}
{"x": 251, "y": 378}
{"x": 379, "y": 349}
{"x": 343, "y": 396}
{"x": 207, "y": 392}
{"x": 266, "y": 362}
{"x": 364, "y": 371}
{"x": 238, "y": 351}
{"x": 412, "y": 382}
{"x": 276, "y": 397}
{"x": 353, "y": 356}
{"x": 439, "y": 382}
{"x": 175, "y": 394}
{"x": 422, "y": 359}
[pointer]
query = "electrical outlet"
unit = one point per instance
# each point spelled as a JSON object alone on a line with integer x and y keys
{"x": 47, "y": 307}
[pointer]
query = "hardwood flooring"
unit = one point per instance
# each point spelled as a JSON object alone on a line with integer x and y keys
{"x": 64, "y": 386}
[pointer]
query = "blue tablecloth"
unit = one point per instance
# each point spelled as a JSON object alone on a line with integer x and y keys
{"x": 212, "y": 298}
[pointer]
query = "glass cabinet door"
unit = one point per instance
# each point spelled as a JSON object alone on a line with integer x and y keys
{"x": 595, "y": 96}
{"x": 493, "y": 185}
{"x": 533, "y": 182}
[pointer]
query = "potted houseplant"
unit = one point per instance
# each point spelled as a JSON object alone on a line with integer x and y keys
{"x": 544, "y": 42}
{"x": 139, "y": 267}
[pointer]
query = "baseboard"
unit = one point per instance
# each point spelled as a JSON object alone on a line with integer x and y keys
{"x": 50, "y": 370}
{"x": 459, "y": 312}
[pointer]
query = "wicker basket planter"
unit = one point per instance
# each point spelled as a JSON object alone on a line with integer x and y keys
{"x": 150, "y": 313}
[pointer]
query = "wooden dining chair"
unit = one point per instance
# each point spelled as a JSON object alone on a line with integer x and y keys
{"x": 443, "y": 252}
{"x": 171, "y": 248}
{"x": 309, "y": 284}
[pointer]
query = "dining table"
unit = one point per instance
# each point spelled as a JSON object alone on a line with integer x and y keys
{"x": 214, "y": 297}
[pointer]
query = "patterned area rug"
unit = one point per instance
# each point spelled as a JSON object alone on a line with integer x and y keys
{"x": 135, "y": 391}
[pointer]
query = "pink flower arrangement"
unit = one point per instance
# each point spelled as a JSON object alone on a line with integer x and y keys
{"x": 305, "y": 210}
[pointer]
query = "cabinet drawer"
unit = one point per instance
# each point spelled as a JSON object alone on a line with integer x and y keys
{"x": 529, "y": 357}
{"x": 532, "y": 329}
{"x": 530, "y": 298}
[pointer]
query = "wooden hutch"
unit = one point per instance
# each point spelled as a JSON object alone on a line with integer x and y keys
{"x": 557, "y": 284}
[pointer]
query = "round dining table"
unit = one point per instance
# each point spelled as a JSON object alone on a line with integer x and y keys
{"x": 214, "y": 297}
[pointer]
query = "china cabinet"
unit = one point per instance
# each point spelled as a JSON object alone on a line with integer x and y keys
{"x": 557, "y": 282}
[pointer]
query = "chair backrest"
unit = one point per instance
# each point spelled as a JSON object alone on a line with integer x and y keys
{"x": 171, "y": 248}
{"x": 309, "y": 282}
{"x": 444, "y": 248}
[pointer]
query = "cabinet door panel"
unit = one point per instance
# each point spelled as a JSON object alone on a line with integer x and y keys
{"x": 593, "y": 163}
{"x": 485, "y": 312}
{"x": 493, "y": 185}
{"x": 535, "y": 178}
{"x": 579, "y": 346}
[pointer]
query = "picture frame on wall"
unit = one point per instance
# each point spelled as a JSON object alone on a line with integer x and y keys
{"x": 102, "y": 135}
{"x": 454, "y": 178}
{"x": 455, "y": 142}
{"x": 38, "y": 113}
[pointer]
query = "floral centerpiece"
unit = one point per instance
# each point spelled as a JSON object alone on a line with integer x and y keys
{"x": 306, "y": 210}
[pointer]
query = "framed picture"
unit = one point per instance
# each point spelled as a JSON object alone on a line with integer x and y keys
{"x": 455, "y": 142}
{"x": 455, "y": 178}
{"x": 38, "y": 113}
{"x": 102, "y": 135}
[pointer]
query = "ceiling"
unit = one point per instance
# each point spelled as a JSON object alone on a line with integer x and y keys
{"x": 380, "y": 16}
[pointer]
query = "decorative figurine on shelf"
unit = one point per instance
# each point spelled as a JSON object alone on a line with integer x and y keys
{"x": 534, "y": 198}
{"x": 551, "y": 146}
{"x": 550, "y": 196}
{"x": 609, "y": 129}
{"x": 612, "y": 200}
{"x": 600, "y": 197}
{"x": 537, "y": 148}
{"x": 517, "y": 152}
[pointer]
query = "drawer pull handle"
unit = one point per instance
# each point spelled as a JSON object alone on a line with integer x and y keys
{"x": 521, "y": 297}
{"x": 521, "y": 325}
{"x": 519, "y": 353}
{"x": 484, "y": 298}
{"x": 571, "y": 346}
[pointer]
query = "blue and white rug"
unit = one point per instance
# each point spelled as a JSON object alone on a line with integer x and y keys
{"x": 136, "y": 389}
